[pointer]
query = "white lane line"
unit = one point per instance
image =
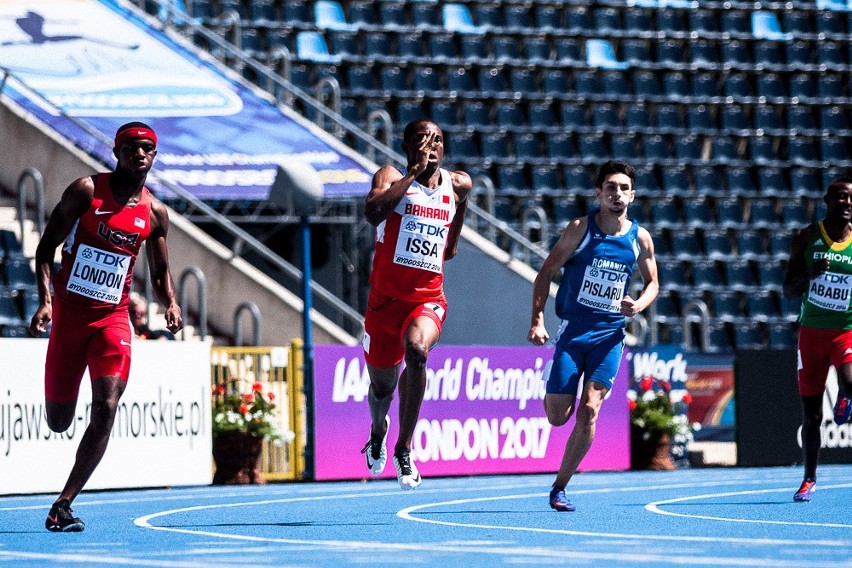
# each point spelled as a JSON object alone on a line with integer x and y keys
{"x": 655, "y": 507}
{"x": 89, "y": 560}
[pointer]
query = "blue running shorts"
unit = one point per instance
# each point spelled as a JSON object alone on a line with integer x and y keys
{"x": 595, "y": 354}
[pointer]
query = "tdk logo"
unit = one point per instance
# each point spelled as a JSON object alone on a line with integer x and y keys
{"x": 425, "y": 229}
{"x": 836, "y": 278}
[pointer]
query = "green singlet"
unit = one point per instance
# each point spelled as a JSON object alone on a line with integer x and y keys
{"x": 826, "y": 302}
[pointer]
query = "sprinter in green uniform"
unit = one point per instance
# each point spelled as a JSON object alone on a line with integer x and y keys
{"x": 820, "y": 268}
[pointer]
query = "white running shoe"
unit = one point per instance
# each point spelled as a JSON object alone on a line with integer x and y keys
{"x": 406, "y": 471}
{"x": 376, "y": 451}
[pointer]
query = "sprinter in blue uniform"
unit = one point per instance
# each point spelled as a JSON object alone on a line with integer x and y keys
{"x": 597, "y": 255}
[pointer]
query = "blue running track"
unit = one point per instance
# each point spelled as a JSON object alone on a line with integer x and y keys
{"x": 698, "y": 517}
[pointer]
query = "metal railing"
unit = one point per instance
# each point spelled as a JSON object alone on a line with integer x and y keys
{"x": 38, "y": 188}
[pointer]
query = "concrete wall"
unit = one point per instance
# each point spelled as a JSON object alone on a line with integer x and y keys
{"x": 25, "y": 143}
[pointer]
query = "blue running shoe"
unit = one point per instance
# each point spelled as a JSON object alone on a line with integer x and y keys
{"x": 805, "y": 491}
{"x": 842, "y": 410}
{"x": 559, "y": 501}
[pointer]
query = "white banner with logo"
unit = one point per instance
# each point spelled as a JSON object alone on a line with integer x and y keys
{"x": 161, "y": 436}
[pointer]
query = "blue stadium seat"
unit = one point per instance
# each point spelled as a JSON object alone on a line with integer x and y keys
{"x": 834, "y": 150}
{"x": 666, "y": 307}
{"x": 804, "y": 181}
{"x": 567, "y": 209}
{"x": 623, "y": 147}
{"x": 783, "y": 336}
{"x": 705, "y": 85}
{"x": 568, "y": 50}
{"x": 444, "y": 113}
{"x": 512, "y": 180}
{"x": 766, "y": 25}
{"x": 605, "y": 116}
{"x": 391, "y": 15}
{"x": 749, "y": 336}
{"x": 526, "y": 147}
{"x": 767, "y": 118}
{"x": 803, "y": 86}
{"x": 763, "y": 213}
{"x": 578, "y": 19}
{"x": 675, "y": 180}
{"x": 495, "y": 145}
{"x": 442, "y": 47}
{"x": 537, "y": 50}
{"x": 794, "y": 214}
{"x": 769, "y": 53}
{"x": 460, "y": 81}
{"x": 311, "y": 46}
{"x": 361, "y": 80}
{"x": 779, "y": 247}
{"x": 546, "y": 16}
{"x": 725, "y": 305}
{"x": 646, "y": 84}
{"x": 831, "y": 54}
{"x": 676, "y": 85}
{"x": 724, "y": 151}
{"x": 670, "y": 51}
{"x": 668, "y": 117}
{"x": 707, "y": 180}
{"x": 772, "y": 182}
{"x": 761, "y": 306}
{"x": 489, "y": 15}
{"x": 729, "y": 212}
{"x": 802, "y": 151}
{"x": 554, "y": 82}
{"x": 601, "y": 53}
{"x": 762, "y": 150}
{"x": 705, "y": 273}
{"x": 703, "y": 53}
{"x": 750, "y": 244}
{"x": 457, "y": 18}
{"x": 572, "y": 115}
{"x": 717, "y": 243}
{"x": 703, "y": 22}
{"x": 790, "y": 308}
{"x": 607, "y": 20}
{"x": 360, "y": 13}
{"x": 586, "y": 83}
{"x": 738, "y": 85}
{"x": 671, "y": 21}
{"x": 17, "y": 273}
{"x": 491, "y": 81}
{"x": 739, "y": 274}
{"x": 664, "y": 212}
{"x": 831, "y": 85}
{"x": 736, "y": 22}
{"x": 578, "y": 179}
{"x": 545, "y": 180}
{"x": 393, "y": 79}
{"x": 505, "y": 49}
{"x": 656, "y": 148}
{"x": 427, "y": 80}
{"x": 636, "y": 52}
{"x": 473, "y": 48}
{"x": 798, "y": 22}
{"x": 508, "y": 115}
{"x": 771, "y": 272}
{"x": 561, "y": 146}
{"x": 593, "y": 147}
{"x": 671, "y": 272}
{"x": 462, "y": 146}
{"x": 771, "y": 86}
{"x": 637, "y": 19}
{"x": 328, "y": 14}
{"x": 636, "y": 116}
{"x": 833, "y": 118}
{"x": 408, "y": 110}
{"x": 688, "y": 148}
{"x": 517, "y": 18}
{"x": 410, "y": 47}
{"x": 646, "y": 180}
{"x": 424, "y": 15}
{"x": 800, "y": 118}
{"x": 697, "y": 212}
{"x": 799, "y": 53}
{"x": 541, "y": 115}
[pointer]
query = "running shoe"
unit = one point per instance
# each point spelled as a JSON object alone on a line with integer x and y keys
{"x": 376, "y": 452}
{"x": 60, "y": 519}
{"x": 806, "y": 490}
{"x": 842, "y": 410}
{"x": 406, "y": 471}
{"x": 559, "y": 501}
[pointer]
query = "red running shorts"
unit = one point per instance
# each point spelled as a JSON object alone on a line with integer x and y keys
{"x": 386, "y": 321}
{"x": 818, "y": 349}
{"x": 81, "y": 337}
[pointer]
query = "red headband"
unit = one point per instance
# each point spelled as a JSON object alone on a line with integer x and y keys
{"x": 134, "y": 132}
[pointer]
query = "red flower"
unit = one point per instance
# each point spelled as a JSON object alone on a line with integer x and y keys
{"x": 666, "y": 385}
{"x": 645, "y": 384}
{"x": 271, "y": 395}
{"x": 248, "y": 398}
{"x": 687, "y": 398}
{"x": 244, "y": 408}
{"x": 631, "y": 405}
{"x": 257, "y": 387}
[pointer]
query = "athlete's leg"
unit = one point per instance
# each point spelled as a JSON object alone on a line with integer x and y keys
{"x": 106, "y": 392}
{"x": 811, "y": 438}
{"x": 60, "y": 415}
{"x": 583, "y": 433}
{"x": 380, "y": 395}
{"x": 419, "y": 338}
{"x": 559, "y": 407}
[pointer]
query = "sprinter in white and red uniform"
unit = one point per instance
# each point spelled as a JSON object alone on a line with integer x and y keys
{"x": 103, "y": 219}
{"x": 418, "y": 215}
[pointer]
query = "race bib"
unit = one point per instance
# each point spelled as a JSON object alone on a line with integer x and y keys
{"x": 830, "y": 291}
{"x": 98, "y": 274}
{"x": 420, "y": 243}
{"x": 602, "y": 289}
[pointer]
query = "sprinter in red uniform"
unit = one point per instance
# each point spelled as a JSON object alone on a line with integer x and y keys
{"x": 418, "y": 215}
{"x": 103, "y": 220}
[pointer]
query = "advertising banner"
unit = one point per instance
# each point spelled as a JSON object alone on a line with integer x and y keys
{"x": 161, "y": 436}
{"x": 105, "y": 65}
{"x": 482, "y": 414}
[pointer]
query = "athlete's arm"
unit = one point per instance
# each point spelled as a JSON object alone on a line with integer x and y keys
{"x": 568, "y": 242}
{"x": 647, "y": 264}
{"x": 74, "y": 202}
{"x": 462, "y": 186}
{"x": 797, "y": 275}
{"x": 157, "y": 252}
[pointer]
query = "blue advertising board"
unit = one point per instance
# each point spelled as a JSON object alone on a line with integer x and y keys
{"x": 106, "y": 65}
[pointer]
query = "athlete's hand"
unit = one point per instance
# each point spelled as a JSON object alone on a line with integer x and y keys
{"x": 538, "y": 335}
{"x": 817, "y": 268}
{"x": 628, "y": 307}
{"x": 174, "y": 320}
{"x": 422, "y": 156}
{"x": 41, "y": 318}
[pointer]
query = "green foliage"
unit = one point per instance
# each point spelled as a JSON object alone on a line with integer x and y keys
{"x": 247, "y": 410}
{"x": 653, "y": 413}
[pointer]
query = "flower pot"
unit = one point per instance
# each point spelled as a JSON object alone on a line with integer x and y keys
{"x": 650, "y": 451}
{"x": 237, "y": 457}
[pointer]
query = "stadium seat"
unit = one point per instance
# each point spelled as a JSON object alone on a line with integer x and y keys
{"x": 749, "y": 336}
{"x": 646, "y": 180}
{"x": 782, "y": 336}
{"x": 684, "y": 246}
{"x": 794, "y": 214}
{"x": 427, "y": 80}
{"x": 750, "y": 244}
{"x": 567, "y": 51}
{"x": 802, "y": 86}
{"x": 802, "y": 151}
{"x": 623, "y": 147}
{"x": 636, "y": 116}
{"x": 766, "y": 25}
{"x": 586, "y": 83}
{"x": 834, "y": 150}
{"x": 726, "y": 305}
{"x": 572, "y": 115}
{"x": 526, "y": 147}
{"x": 593, "y": 147}
{"x": 768, "y": 53}
{"x": 729, "y": 212}
{"x": 601, "y": 53}
{"x": 761, "y": 305}
{"x": 512, "y": 180}
{"x": 707, "y": 180}
{"x": 705, "y": 273}
{"x": 790, "y": 308}
{"x": 800, "y": 118}
{"x": 736, "y": 22}
{"x": 705, "y": 85}
{"x": 393, "y": 79}
{"x": 541, "y": 115}
{"x": 831, "y": 85}
{"x": 770, "y": 86}
{"x": 495, "y": 145}
{"x": 460, "y": 81}
{"x": 688, "y": 148}
{"x": 724, "y": 151}
{"x": 735, "y": 53}
{"x": 666, "y": 306}
{"x": 779, "y": 246}
{"x": 697, "y": 212}
{"x": 547, "y": 17}
{"x": 517, "y": 18}
{"x": 567, "y": 209}
{"x": 767, "y": 118}
{"x": 762, "y": 213}
{"x": 615, "y": 83}
{"x": 9, "y": 314}
{"x": 739, "y": 274}
{"x": 738, "y": 85}
{"x": 671, "y": 21}
{"x": 457, "y": 18}
{"x": 646, "y": 84}
{"x": 578, "y": 179}
{"x": 18, "y": 274}
{"x": 605, "y": 116}
{"x": 717, "y": 243}
{"x": 562, "y": 146}
{"x": 670, "y": 51}
{"x": 311, "y": 46}
{"x": 408, "y": 110}
{"x": 360, "y": 80}
{"x": 545, "y": 180}
{"x": 804, "y": 181}
{"x": 762, "y": 150}
{"x": 578, "y": 20}
{"x": 676, "y": 85}
{"x": 537, "y": 50}
{"x": 830, "y": 54}
{"x": 672, "y": 274}
{"x": 675, "y": 180}
{"x": 607, "y": 20}
{"x": 424, "y": 15}
{"x": 444, "y": 113}
{"x": 491, "y": 81}
{"x": 391, "y": 15}
{"x": 328, "y": 14}
{"x": 442, "y": 47}
{"x": 772, "y": 182}
{"x": 656, "y": 148}
{"x": 508, "y": 115}
{"x": 505, "y": 49}
{"x": 462, "y": 146}
{"x": 360, "y": 13}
